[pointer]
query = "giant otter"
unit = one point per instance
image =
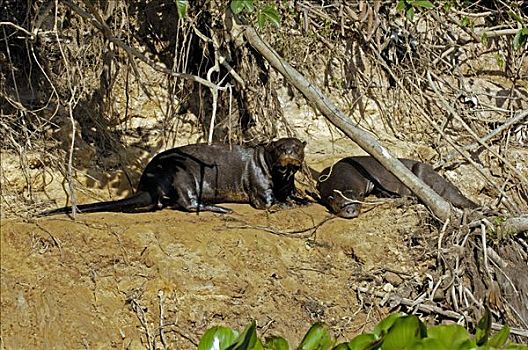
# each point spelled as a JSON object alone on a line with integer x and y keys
{"x": 196, "y": 177}
{"x": 345, "y": 184}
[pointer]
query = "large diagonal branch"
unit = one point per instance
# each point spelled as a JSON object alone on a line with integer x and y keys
{"x": 440, "y": 207}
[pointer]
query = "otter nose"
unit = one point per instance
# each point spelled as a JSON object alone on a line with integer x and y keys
{"x": 350, "y": 211}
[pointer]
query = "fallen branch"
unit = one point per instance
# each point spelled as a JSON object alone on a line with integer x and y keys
{"x": 440, "y": 207}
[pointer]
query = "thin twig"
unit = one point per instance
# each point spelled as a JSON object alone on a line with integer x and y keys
{"x": 435, "y": 310}
{"x": 161, "y": 319}
{"x": 303, "y": 233}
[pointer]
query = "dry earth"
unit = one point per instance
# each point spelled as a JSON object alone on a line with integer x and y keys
{"x": 96, "y": 282}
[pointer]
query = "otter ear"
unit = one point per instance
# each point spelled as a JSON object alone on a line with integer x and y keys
{"x": 304, "y": 143}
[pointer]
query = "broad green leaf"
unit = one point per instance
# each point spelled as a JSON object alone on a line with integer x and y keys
{"x": 248, "y": 339}
{"x": 271, "y": 14}
{"x": 452, "y": 336}
{"x": 261, "y": 20}
{"x": 238, "y": 6}
{"x": 410, "y": 14}
{"x": 364, "y": 341}
{"x": 258, "y": 346}
{"x": 317, "y": 338}
{"x": 277, "y": 343}
{"x": 423, "y": 3}
{"x": 342, "y": 346}
{"x": 483, "y": 328}
{"x": 404, "y": 332}
{"x": 499, "y": 339}
{"x": 428, "y": 344}
{"x": 182, "y": 6}
{"x": 384, "y": 325}
{"x": 217, "y": 338}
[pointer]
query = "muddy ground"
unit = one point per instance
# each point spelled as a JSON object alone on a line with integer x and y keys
{"x": 98, "y": 281}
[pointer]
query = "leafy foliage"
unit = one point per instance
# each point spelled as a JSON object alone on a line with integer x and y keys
{"x": 266, "y": 13}
{"x": 396, "y": 332}
{"x": 409, "y": 7}
{"x": 182, "y": 6}
{"x": 520, "y": 38}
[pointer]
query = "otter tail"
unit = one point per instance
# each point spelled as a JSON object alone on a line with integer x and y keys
{"x": 141, "y": 201}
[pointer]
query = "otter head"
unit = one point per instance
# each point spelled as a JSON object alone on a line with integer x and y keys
{"x": 344, "y": 204}
{"x": 286, "y": 154}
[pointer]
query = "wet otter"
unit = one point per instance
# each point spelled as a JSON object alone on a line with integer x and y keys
{"x": 196, "y": 177}
{"x": 342, "y": 186}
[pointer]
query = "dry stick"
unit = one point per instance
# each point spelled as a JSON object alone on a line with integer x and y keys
{"x": 222, "y": 59}
{"x": 518, "y": 117}
{"x": 138, "y": 309}
{"x": 304, "y": 233}
{"x": 135, "y": 52}
{"x": 73, "y": 90}
{"x": 31, "y": 35}
{"x": 214, "y": 92}
{"x": 514, "y": 225}
{"x": 439, "y": 206}
{"x": 448, "y": 139}
{"x": 436, "y": 310}
{"x": 161, "y": 320}
{"x": 451, "y": 110}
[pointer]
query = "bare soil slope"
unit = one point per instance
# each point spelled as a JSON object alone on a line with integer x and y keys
{"x": 99, "y": 281}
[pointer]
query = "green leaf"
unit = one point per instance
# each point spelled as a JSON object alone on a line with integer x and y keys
{"x": 452, "y": 336}
{"x": 217, "y": 338}
{"x": 404, "y": 332}
{"x": 465, "y": 21}
{"x": 499, "y": 339}
{"x": 520, "y": 38}
{"x": 238, "y": 6}
{"x": 182, "y": 6}
{"x": 277, "y": 343}
{"x": 363, "y": 342}
{"x": 483, "y": 328}
{"x": 342, "y": 346}
{"x": 513, "y": 346}
{"x": 248, "y": 339}
{"x": 402, "y": 6}
{"x": 270, "y": 14}
{"x": 428, "y": 344}
{"x": 423, "y": 3}
{"x": 317, "y": 338}
{"x": 258, "y": 346}
{"x": 500, "y": 60}
{"x": 383, "y": 326}
{"x": 484, "y": 39}
{"x": 410, "y": 14}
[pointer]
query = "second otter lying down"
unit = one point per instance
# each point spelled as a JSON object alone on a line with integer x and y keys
{"x": 351, "y": 179}
{"x": 196, "y": 177}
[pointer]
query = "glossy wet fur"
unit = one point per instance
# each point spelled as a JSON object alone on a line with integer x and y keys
{"x": 197, "y": 177}
{"x": 344, "y": 185}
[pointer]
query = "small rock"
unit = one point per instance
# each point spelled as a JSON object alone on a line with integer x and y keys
{"x": 392, "y": 278}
